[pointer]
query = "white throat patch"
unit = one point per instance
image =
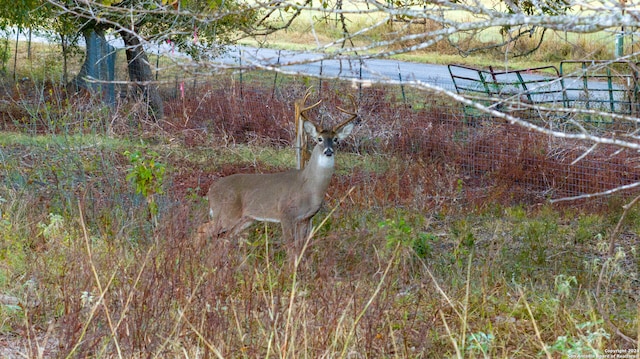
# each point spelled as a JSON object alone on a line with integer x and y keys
{"x": 325, "y": 161}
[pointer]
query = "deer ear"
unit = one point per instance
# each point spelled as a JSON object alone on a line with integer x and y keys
{"x": 310, "y": 129}
{"x": 345, "y": 131}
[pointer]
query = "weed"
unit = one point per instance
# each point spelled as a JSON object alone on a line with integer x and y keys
{"x": 563, "y": 285}
{"x": 587, "y": 343}
{"x": 12, "y": 250}
{"x": 54, "y": 229}
{"x": 401, "y": 234}
{"x": 4, "y": 55}
{"x": 588, "y": 227}
{"x": 147, "y": 174}
{"x": 536, "y": 236}
{"x": 480, "y": 343}
{"x": 462, "y": 233}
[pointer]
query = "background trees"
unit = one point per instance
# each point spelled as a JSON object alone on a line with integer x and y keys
{"x": 140, "y": 24}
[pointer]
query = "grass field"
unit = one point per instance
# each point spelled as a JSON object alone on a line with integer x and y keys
{"x": 315, "y": 29}
{"x": 419, "y": 252}
{"x": 410, "y": 258}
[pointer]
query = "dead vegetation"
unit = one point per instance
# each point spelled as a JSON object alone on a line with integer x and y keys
{"x": 436, "y": 239}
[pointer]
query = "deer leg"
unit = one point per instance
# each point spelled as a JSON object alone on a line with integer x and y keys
{"x": 206, "y": 229}
{"x": 221, "y": 225}
{"x": 240, "y": 225}
{"x": 288, "y": 230}
{"x": 290, "y": 242}
{"x": 203, "y": 233}
{"x": 303, "y": 229}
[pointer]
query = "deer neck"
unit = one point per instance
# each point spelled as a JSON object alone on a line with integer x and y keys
{"x": 318, "y": 171}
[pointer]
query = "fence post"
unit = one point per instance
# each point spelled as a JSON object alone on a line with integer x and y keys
{"x": 99, "y": 67}
{"x": 15, "y": 55}
{"x": 175, "y": 87}
{"x": 111, "y": 74}
{"x": 320, "y": 77}
{"x": 360, "y": 83}
{"x": 275, "y": 77}
{"x": 240, "y": 64}
{"x": 404, "y": 97}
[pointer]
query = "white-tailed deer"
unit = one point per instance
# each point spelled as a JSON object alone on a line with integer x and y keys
{"x": 290, "y": 198}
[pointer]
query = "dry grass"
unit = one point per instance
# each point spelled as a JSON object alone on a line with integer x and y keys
{"x": 431, "y": 244}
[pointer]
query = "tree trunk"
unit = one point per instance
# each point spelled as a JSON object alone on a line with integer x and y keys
{"x": 65, "y": 56}
{"x": 140, "y": 74}
{"x": 98, "y": 70}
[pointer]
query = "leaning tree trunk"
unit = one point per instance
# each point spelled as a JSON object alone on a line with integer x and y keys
{"x": 140, "y": 74}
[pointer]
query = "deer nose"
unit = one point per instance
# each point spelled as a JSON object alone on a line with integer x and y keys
{"x": 328, "y": 151}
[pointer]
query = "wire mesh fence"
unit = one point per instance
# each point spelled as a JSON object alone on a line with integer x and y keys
{"x": 489, "y": 158}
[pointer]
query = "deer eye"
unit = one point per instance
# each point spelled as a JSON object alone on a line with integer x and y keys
{"x": 319, "y": 139}
{"x": 335, "y": 140}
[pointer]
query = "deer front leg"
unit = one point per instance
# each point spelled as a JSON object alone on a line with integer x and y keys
{"x": 302, "y": 230}
{"x": 288, "y": 230}
{"x": 295, "y": 231}
{"x": 217, "y": 228}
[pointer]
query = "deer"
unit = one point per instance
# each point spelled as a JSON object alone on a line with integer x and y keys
{"x": 290, "y": 198}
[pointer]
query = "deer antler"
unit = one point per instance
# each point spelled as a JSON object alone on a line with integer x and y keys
{"x": 300, "y": 103}
{"x": 353, "y": 113}
{"x": 301, "y": 141}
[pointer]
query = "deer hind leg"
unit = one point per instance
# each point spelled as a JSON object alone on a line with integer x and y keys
{"x": 239, "y": 226}
{"x": 223, "y": 222}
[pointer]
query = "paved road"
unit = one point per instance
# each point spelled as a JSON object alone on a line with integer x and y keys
{"x": 314, "y": 64}
{"x": 386, "y": 70}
